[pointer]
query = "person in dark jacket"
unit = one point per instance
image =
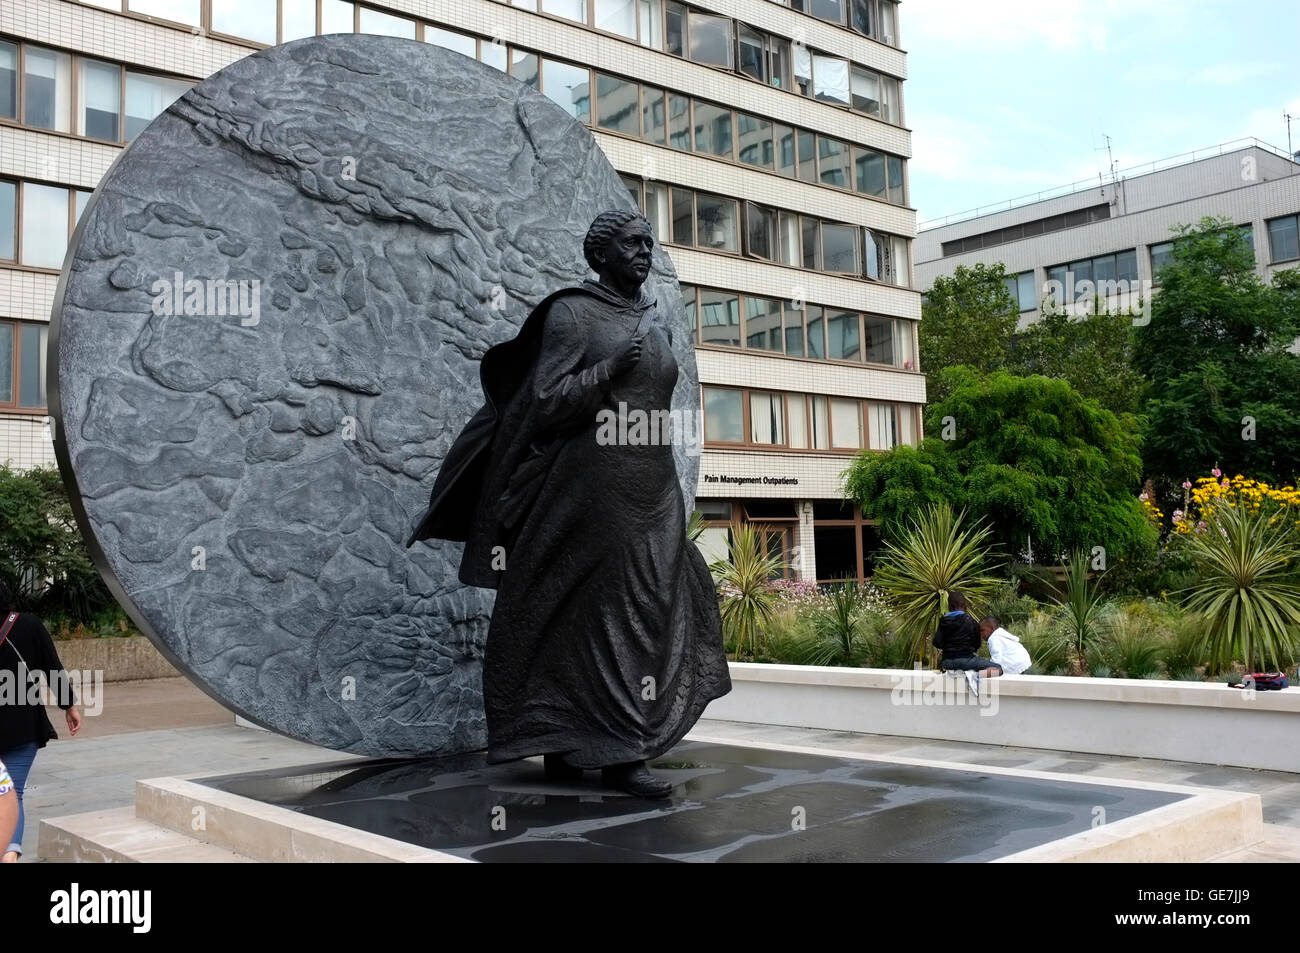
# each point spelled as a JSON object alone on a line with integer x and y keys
{"x": 958, "y": 637}
{"x": 25, "y": 650}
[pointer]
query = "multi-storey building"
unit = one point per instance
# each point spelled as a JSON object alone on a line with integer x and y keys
{"x": 1089, "y": 238}
{"x": 764, "y": 140}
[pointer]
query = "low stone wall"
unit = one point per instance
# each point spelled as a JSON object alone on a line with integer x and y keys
{"x": 1200, "y": 722}
{"x": 120, "y": 659}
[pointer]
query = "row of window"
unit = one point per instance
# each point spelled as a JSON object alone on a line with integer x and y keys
{"x": 718, "y": 223}
{"x": 666, "y": 118}
{"x": 798, "y": 329}
{"x": 36, "y": 222}
{"x": 665, "y": 25}
{"x": 1284, "y": 245}
{"x": 877, "y": 19}
{"x": 50, "y": 89}
{"x": 22, "y": 365}
{"x": 1014, "y": 233}
{"x": 742, "y": 417}
{"x": 716, "y": 40}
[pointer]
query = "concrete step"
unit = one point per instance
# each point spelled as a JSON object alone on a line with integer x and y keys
{"x": 267, "y": 832}
{"x": 119, "y": 836}
{"x": 1280, "y": 845}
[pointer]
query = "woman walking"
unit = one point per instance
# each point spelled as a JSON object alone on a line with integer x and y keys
{"x": 25, "y": 650}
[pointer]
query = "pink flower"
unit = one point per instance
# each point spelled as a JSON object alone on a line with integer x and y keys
{"x": 1217, "y": 472}
{"x": 1187, "y": 485}
{"x": 1178, "y": 515}
{"x": 1142, "y": 497}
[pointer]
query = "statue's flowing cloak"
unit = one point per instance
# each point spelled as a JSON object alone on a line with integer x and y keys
{"x": 605, "y": 644}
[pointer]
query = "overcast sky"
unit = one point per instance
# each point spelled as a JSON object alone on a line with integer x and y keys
{"x": 1018, "y": 96}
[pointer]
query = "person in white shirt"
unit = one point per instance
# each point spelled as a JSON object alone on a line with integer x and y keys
{"x": 1004, "y": 648}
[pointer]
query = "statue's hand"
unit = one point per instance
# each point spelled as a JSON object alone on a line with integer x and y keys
{"x": 628, "y": 358}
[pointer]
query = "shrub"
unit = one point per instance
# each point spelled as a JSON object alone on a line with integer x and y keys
{"x": 1044, "y": 640}
{"x": 1132, "y": 645}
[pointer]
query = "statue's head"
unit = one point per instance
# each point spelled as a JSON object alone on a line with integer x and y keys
{"x": 618, "y": 247}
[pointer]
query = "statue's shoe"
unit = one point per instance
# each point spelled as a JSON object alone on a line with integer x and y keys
{"x": 635, "y": 779}
{"x": 557, "y": 769}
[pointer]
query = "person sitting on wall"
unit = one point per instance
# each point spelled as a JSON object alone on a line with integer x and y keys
{"x": 1005, "y": 649}
{"x": 958, "y": 637}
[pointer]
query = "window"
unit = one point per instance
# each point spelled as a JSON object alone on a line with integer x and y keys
{"x": 715, "y": 223}
{"x": 831, "y": 79}
{"x": 754, "y": 141}
{"x": 450, "y": 40}
{"x": 654, "y": 119}
{"x": 8, "y": 220}
{"x": 616, "y": 105}
{"x": 1103, "y": 271}
{"x": 100, "y": 94}
{"x": 779, "y": 63}
{"x": 385, "y": 24}
{"x": 1284, "y": 238}
{"x": 904, "y": 341}
{"x": 842, "y": 332}
{"x": 658, "y": 211}
{"x": 786, "y": 158}
{"x": 752, "y": 59}
{"x": 147, "y": 97}
{"x": 846, "y": 424}
{"x": 763, "y": 323}
{"x": 766, "y": 418}
{"x": 683, "y": 202}
{"x": 831, "y": 10}
{"x": 723, "y": 415}
{"x": 812, "y": 242}
{"x": 709, "y": 39}
{"x": 674, "y": 28}
{"x": 47, "y": 91}
{"x": 807, "y": 147}
{"x": 689, "y": 294}
{"x": 865, "y": 91}
{"x": 570, "y": 86}
{"x": 22, "y": 365}
{"x": 297, "y": 19}
{"x": 491, "y": 53}
{"x": 761, "y": 239}
{"x": 879, "y": 340}
{"x": 869, "y": 172}
{"x": 616, "y": 16}
{"x": 523, "y": 67}
{"x": 179, "y": 11}
{"x": 45, "y": 225}
{"x": 796, "y": 415}
{"x": 821, "y": 424}
{"x": 896, "y": 180}
{"x": 788, "y": 234}
{"x": 1022, "y": 290}
{"x": 834, "y": 166}
{"x": 815, "y": 326}
{"x": 679, "y": 122}
{"x": 251, "y": 19}
{"x": 719, "y": 318}
{"x": 1161, "y": 255}
{"x": 569, "y": 9}
{"x": 840, "y": 248}
{"x": 792, "y": 322}
{"x": 8, "y": 80}
{"x": 650, "y": 22}
{"x": 712, "y": 129}
{"x": 335, "y": 17}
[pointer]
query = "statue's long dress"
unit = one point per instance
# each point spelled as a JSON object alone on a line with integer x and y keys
{"x": 605, "y": 643}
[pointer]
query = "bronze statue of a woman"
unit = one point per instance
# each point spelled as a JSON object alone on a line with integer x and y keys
{"x": 605, "y": 644}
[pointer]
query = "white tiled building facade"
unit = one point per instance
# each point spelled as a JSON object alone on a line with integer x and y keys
{"x": 765, "y": 140}
{"x": 1120, "y": 230}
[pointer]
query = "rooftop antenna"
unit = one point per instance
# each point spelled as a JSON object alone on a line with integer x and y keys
{"x": 1292, "y": 153}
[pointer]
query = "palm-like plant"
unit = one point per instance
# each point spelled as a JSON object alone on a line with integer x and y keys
{"x": 839, "y": 636}
{"x": 744, "y": 584}
{"x": 695, "y": 526}
{"x": 933, "y": 557}
{"x": 1083, "y": 609}
{"x": 1247, "y": 597}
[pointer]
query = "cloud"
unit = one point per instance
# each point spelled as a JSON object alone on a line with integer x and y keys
{"x": 1233, "y": 74}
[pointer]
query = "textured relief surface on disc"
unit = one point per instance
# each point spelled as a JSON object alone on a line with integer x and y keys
{"x": 389, "y": 210}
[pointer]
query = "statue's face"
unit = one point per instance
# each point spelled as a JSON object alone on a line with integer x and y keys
{"x": 626, "y": 257}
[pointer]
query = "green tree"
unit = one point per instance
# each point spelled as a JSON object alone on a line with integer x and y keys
{"x": 1094, "y": 352}
{"x": 967, "y": 318}
{"x": 1222, "y": 383}
{"x": 42, "y": 557}
{"x": 1027, "y": 455}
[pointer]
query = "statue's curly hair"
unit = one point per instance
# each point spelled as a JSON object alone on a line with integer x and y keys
{"x": 605, "y": 227}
